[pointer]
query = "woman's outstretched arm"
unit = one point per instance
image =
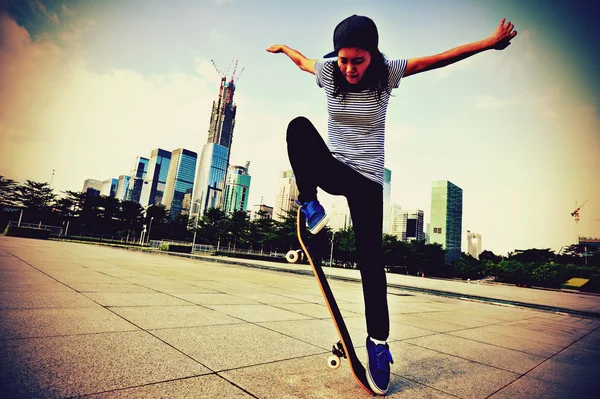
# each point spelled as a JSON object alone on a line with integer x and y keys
{"x": 303, "y": 63}
{"x": 499, "y": 40}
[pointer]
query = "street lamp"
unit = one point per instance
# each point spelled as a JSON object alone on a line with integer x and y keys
{"x": 150, "y": 228}
{"x": 331, "y": 253}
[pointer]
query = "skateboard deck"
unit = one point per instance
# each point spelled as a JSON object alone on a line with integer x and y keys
{"x": 344, "y": 348}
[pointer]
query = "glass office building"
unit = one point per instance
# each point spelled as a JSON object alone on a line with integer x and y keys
{"x": 156, "y": 178}
{"x": 446, "y": 217}
{"x": 237, "y": 189}
{"x": 136, "y": 180}
{"x": 210, "y": 179}
{"x": 180, "y": 180}
{"x": 122, "y": 187}
{"x": 387, "y": 193}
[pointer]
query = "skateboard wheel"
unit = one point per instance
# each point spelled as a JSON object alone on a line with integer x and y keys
{"x": 333, "y": 362}
{"x": 292, "y": 256}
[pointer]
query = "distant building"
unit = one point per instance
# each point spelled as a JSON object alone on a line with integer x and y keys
{"x": 261, "y": 212}
{"x": 180, "y": 180}
{"x": 473, "y": 244}
{"x": 446, "y": 217}
{"x": 109, "y": 187}
{"x": 396, "y": 221}
{"x": 156, "y": 178}
{"x": 237, "y": 188}
{"x": 340, "y": 214}
{"x": 92, "y": 187}
{"x": 136, "y": 179}
{"x": 122, "y": 187}
{"x": 387, "y": 191}
{"x": 210, "y": 179}
{"x": 287, "y": 195}
{"x": 407, "y": 225}
{"x": 214, "y": 159}
{"x": 412, "y": 225}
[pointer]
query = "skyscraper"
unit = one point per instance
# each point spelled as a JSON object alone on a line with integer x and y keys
{"x": 446, "y": 217}
{"x": 237, "y": 188}
{"x": 136, "y": 180}
{"x": 156, "y": 178}
{"x": 109, "y": 187}
{"x": 473, "y": 244}
{"x": 122, "y": 187}
{"x": 413, "y": 225}
{"x": 287, "y": 195}
{"x": 180, "y": 180}
{"x": 214, "y": 157}
{"x": 387, "y": 191}
{"x": 210, "y": 179}
{"x": 92, "y": 187}
{"x": 340, "y": 214}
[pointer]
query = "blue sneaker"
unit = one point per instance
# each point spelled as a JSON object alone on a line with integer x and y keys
{"x": 378, "y": 366}
{"x": 315, "y": 215}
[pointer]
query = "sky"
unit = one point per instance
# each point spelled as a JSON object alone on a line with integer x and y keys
{"x": 87, "y": 86}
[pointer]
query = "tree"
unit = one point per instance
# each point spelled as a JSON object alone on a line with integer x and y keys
{"x": 131, "y": 217}
{"x": 533, "y": 255}
{"x": 212, "y": 226}
{"x": 239, "y": 223}
{"x": 37, "y": 197}
{"x": 468, "y": 267}
{"x": 489, "y": 255}
{"x": 7, "y": 188}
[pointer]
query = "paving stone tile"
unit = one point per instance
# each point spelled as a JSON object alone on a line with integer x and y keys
{"x": 268, "y": 298}
{"x": 44, "y": 299}
{"x": 216, "y": 299}
{"x": 321, "y": 333}
{"x": 237, "y": 345}
{"x": 76, "y": 365}
{"x": 579, "y": 365}
{"x": 24, "y": 323}
{"x": 309, "y": 377}
{"x": 135, "y": 299}
{"x": 499, "y": 336}
{"x": 463, "y": 378}
{"x": 203, "y": 387}
{"x": 502, "y": 358}
{"x": 109, "y": 288}
{"x": 257, "y": 313}
{"x": 154, "y": 317}
{"x": 422, "y": 321}
{"x": 532, "y": 388}
{"x": 308, "y": 309}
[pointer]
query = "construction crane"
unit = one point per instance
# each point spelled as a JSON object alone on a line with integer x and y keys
{"x": 575, "y": 213}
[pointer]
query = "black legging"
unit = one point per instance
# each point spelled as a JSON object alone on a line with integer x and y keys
{"x": 314, "y": 166}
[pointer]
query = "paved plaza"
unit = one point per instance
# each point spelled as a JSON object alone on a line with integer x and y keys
{"x": 81, "y": 320}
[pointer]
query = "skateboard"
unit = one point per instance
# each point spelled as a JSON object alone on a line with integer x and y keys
{"x": 343, "y": 348}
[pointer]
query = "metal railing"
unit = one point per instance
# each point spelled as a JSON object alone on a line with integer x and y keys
{"x": 38, "y": 226}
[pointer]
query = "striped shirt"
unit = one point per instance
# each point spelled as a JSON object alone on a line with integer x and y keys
{"x": 356, "y": 126}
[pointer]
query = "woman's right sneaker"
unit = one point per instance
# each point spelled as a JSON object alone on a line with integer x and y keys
{"x": 315, "y": 216}
{"x": 378, "y": 366}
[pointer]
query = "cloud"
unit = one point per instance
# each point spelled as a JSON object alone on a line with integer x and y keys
{"x": 64, "y": 116}
{"x": 66, "y": 10}
{"x": 54, "y": 18}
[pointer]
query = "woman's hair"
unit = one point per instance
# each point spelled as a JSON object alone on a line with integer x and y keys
{"x": 375, "y": 79}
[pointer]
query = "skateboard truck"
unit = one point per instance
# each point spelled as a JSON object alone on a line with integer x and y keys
{"x": 338, "y": 352}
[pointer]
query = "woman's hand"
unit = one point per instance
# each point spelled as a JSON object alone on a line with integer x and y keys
{"x": 276, "y": 48}
{"x": 503, "y": 35}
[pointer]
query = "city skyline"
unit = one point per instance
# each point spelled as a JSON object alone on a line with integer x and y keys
{"x": 517, "y": 130}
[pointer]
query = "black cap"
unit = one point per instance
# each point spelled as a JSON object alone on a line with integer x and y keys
{"x": 355, "y": 31}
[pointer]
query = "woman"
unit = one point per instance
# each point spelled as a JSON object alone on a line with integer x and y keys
{"x": 358, "y": 86}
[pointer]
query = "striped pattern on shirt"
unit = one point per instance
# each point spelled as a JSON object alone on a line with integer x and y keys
{"x": 356, "y": 126}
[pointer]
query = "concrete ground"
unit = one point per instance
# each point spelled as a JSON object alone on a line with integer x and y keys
{"x": 80, "y": 320}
